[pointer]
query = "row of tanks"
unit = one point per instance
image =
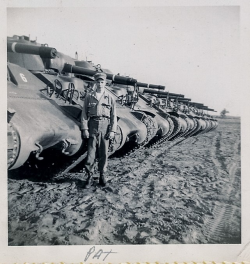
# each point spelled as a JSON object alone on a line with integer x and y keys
{"x": 46, "y": 91}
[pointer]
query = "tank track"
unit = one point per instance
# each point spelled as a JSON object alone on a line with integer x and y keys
{"x": 174, "y": 136}
{"x": 188, "y": 127}
{"x": 189, "y": 133}
{"x": 13, "y": 144}
{"x": 171, "y": 128}
{"x": 196, "y": 131}
{"x": 217, "y": 230}
{"x": 182, "y": 134}
{"x": 209, "y": 128}
{"x": 152, "y": 128}
{"x": 165, "y": 137}
{"x": 177, "y": 128}
{"x": 174, "y": 129}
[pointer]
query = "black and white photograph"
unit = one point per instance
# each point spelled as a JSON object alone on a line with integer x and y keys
{"x": 125, "y": 127}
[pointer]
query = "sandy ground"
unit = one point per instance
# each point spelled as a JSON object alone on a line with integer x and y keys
{"x": 190, "y": 193}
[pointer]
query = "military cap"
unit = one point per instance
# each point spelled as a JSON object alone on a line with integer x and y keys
{"x": 100, "y": 75}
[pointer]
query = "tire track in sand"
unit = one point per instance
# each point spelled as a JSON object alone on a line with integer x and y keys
{"x": 221, "y": 227}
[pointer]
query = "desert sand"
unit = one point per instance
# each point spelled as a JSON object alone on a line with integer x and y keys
{"x": 187, "y": 193}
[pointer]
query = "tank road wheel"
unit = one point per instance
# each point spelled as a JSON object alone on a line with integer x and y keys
{"x": 152, "y": 128}
{"x": 13, "y": 145}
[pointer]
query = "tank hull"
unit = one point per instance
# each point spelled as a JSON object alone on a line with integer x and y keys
{"x": 40, "y": 124}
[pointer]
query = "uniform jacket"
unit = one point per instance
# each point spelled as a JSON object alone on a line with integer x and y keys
{"x": 105, "y": 107}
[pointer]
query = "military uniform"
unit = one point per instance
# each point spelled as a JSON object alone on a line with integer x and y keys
{"x": 99, "y": 117}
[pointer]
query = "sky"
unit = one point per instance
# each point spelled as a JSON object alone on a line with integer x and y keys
{"x": 193, "y": 51}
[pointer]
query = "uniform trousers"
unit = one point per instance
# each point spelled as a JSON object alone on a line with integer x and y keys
{"x": 97, "y": 144}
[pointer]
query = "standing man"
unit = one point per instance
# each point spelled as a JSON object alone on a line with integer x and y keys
{"x": 98, "y": 123}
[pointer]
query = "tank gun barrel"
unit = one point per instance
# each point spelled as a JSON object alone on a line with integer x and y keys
{"x": 181, "y": 99}
{"x": 152, "y": 86}
{"x": 115, "y": 78}
{"x": 151, "y": 91}
{"x": 196, "y": 104}
{"x": 43, "y": 51}
{"x": 201, "y": 106}
{"x": 208, "y": 109}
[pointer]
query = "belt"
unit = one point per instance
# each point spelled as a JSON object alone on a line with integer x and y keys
{"x": 97, "y": 118}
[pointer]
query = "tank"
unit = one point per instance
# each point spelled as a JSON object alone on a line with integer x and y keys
{"x": 169, "y": 122}
{"x": 46, "y": 91}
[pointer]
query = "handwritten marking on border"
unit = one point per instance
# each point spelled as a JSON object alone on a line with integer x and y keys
{"x": 97, "y": 254}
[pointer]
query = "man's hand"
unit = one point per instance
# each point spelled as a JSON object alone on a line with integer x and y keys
{"x": 111, "y": 135}
{"x": 85, "y": 133}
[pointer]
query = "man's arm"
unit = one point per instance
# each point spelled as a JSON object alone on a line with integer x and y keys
{"x": 113, "y": 117}
{"x": 84, "y": 118}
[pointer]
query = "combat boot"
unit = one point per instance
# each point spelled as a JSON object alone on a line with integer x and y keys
{"x": 102, "y": 180}
{"x": 89, "y": 179}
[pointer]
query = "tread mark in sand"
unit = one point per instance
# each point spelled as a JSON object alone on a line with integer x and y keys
{"x": 221, "y": 229}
